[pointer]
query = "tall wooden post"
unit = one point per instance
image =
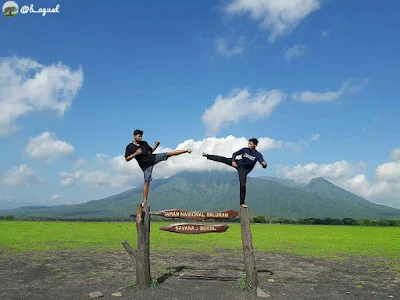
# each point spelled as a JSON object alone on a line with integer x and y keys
{"x": 143, "y": 250}
{"x": 247, "y": 243}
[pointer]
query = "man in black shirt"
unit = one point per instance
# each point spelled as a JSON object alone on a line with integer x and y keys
{"x": 143, "y": 153}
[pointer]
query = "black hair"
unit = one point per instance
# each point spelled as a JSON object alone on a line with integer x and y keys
{"x": 138, "y": 131}
{"x": 254, "y": 141}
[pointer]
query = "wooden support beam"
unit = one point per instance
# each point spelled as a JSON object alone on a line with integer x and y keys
{"x": 132, "y": 252}
{"x": 143, "y": 251}
{"x": 247, "y": 243}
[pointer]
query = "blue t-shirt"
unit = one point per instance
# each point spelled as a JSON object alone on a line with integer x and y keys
{"x": 249, "y": 158}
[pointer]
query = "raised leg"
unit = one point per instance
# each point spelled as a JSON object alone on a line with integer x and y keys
{"x": 217, "y": 158}
{"x": 178, "y": 152}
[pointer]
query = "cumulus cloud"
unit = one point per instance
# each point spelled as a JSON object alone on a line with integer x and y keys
{"x": 395, "y": 155}
{"x": 46, "y": 147}
{"x": 293, "y": 52}
{"x": 54, "y": 197}
{"x": 324, "y": 32}
{"x": 225, "y": 48}
{"x": 305, "y": 172}
{"x": 240, "y": 104}
{"x": 79, "y": 163}
{"x": 20, "y": 176}
{"x": 27, "y": 86}
{"x": 385, "y": 189}
{"x": 315, "y": 136}
{"x": 69, "y": 178}
{"x": 108, "y": 171}
{"x": 348, "y": 87}
{"x": 278, "y": 17}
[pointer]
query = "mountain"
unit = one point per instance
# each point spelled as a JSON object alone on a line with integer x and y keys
{"x": 215, "y": 191}
{"x": 286, "y": 182}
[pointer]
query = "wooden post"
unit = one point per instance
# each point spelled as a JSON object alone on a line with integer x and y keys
{"x": 247, "y": 243}
{"x": 143, "y": 250}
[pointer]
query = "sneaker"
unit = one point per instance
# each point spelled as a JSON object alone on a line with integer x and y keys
{"x": 244, "y": 205}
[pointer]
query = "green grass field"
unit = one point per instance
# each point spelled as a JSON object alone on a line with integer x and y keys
{"x": 332, "y": 242}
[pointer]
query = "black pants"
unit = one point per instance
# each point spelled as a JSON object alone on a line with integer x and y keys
{"x": 242, "y": 173}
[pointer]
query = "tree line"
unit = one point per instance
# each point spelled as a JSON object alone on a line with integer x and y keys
{"x": 255, "y": 219}
{"x": 328, "y": 221}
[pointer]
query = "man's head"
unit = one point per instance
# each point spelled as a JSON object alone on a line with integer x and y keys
{"x": 253, "y": 142}
{"x": 137, "y": 135}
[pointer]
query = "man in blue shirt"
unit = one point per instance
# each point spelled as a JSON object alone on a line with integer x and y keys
{"x": 250, "y": 156}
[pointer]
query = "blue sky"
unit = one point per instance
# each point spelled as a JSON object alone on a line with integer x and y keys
{"x": 201, "y": 74}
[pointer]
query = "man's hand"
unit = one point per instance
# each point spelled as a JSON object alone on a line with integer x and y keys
{"x": 234, "y": 164}
{"x": 264, "y": 164}
{"x": 155, "y": 146}
{"x": 138, "y": 151}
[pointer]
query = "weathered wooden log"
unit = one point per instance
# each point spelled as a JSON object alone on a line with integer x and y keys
{"x": 247, "y": 243}
{"x": 196, "y": 215}
{"x": 143, "y": 251}
{"x": 132, "y": 253}
{"x": 191, "y": 228}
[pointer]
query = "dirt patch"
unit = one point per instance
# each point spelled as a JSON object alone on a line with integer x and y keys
{"x": 185, "y": 275}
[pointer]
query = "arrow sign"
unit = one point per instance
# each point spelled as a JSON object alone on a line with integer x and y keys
{"x": 191, "y": 228}
{"x": 196, "y": 215}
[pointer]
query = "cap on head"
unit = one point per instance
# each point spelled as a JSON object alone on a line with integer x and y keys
{"x": 138, "y": 131}
{"x": 254, "y": 141}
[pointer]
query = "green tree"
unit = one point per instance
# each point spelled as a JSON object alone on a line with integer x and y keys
{"x": 259, "y": 219}
{"x": 10, "y": 11}
{"x": 9, "y": 218}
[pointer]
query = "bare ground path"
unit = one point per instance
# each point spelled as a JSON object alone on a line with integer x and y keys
{"x": 185, "y": 275}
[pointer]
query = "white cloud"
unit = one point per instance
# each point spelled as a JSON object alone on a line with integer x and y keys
{"x": 227, "y": 49}
{"x": 382, "y": 192}
{"x": 315, "y": 136}
{"x": 324, "y": 32}
{"x": 385, "y": 190}
{"x": 305, "y": 172}
{"x": 238, "y": 105}
{"x": 54, "y": 197}
{"x": 279, "y": 17}
{"x": 27, "y": 86}
{"x": 296, "y": 146}
{"x": 347, "y": 87}
{"x": 389, "y": 171}
{"x": 69, "y": 179}
{"x": 294, "y": 51}
{"x": 116, "y": 172}
{"x": 395, "y": 155}
{"x": 79, "y": 163}
{"x": 20, "y": 176}
{"x": 46, "y": 147}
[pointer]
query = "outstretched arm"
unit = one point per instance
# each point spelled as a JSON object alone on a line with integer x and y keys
{"x": 155, "y": 146}
{"x": 239, "y": 152}
{"x": 261, "y": 160}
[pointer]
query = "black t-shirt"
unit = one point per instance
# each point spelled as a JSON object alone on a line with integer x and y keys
{"x": 146, "y": 159}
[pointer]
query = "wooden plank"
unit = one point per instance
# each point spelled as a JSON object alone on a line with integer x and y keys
{"x": 191, "y": 228}
{"x": 247, "y": 244}
{"x": 143, "y": 251}
{"x": 196, "y": 215}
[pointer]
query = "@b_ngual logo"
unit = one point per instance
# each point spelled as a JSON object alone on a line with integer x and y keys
{"x": 10, "y": 9}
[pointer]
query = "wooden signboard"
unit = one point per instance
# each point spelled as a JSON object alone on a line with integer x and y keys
{"x": 191, "y": 228}
{"x": 196, "y": 215}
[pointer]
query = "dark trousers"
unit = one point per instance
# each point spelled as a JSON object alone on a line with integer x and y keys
{"x": 241, "y": 172}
